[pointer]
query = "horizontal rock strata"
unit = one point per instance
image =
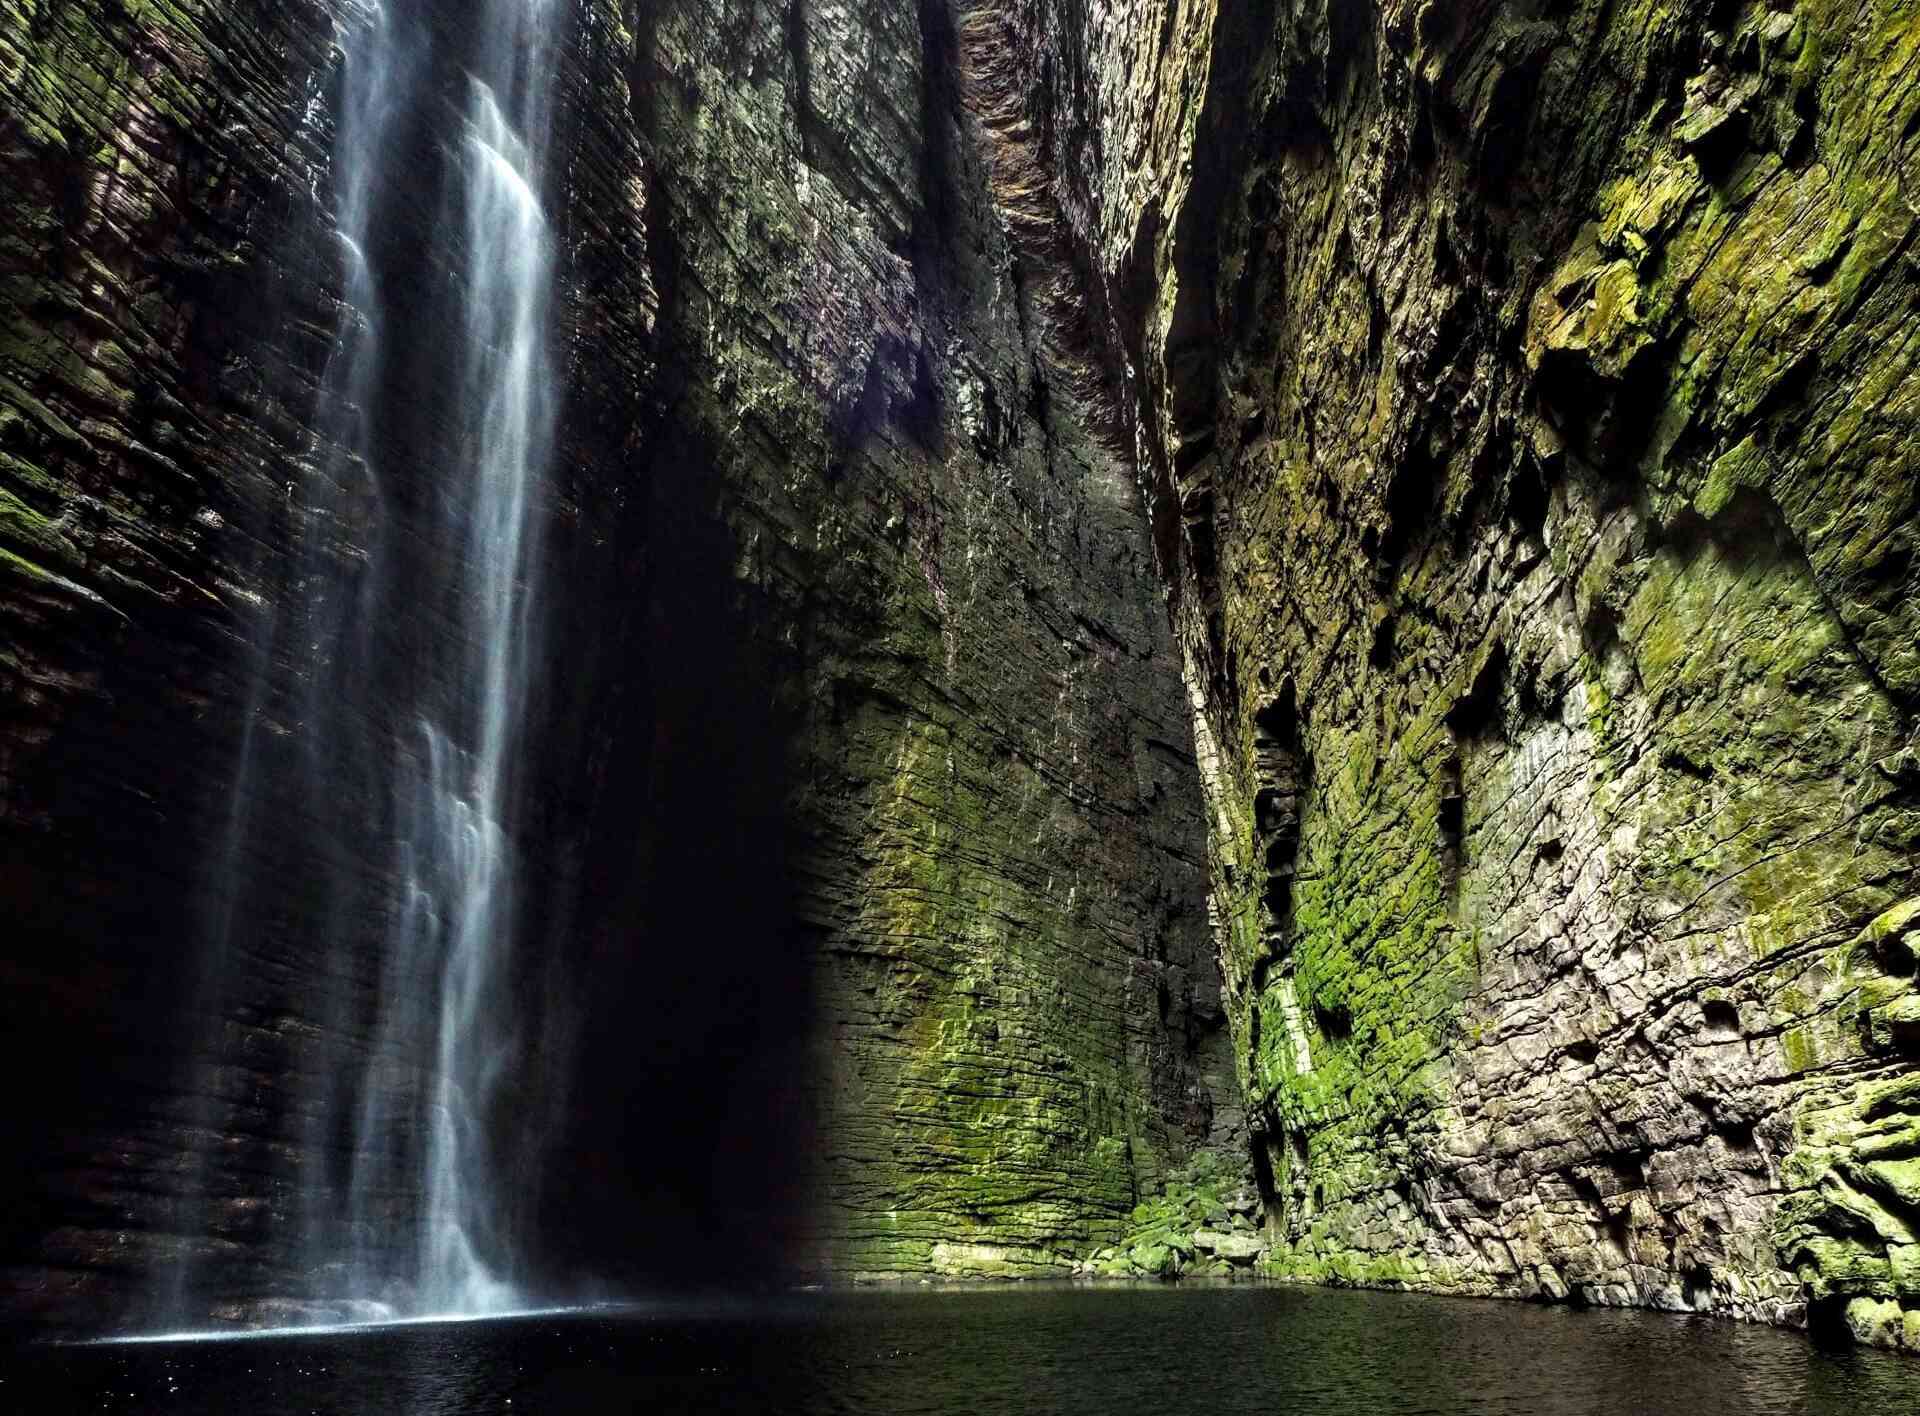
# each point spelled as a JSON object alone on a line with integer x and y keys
{"x": 1525, "y": 398}
{"x": 868, "y": 872}
{"x": 1328, "y": 585}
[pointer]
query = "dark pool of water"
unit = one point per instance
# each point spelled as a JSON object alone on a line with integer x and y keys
{"x": 1274, "y": 1351}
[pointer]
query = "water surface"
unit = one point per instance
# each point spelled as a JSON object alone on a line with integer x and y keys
{"x": 1213, "y": 1350}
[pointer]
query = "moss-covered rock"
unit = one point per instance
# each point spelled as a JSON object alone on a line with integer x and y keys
{"x": 851, "y": 613}
{"x": 1523, "y": 401}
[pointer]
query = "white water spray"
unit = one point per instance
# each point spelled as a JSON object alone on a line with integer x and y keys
{"x": 372, "y": 840}
{"x": 446, "y": 1029}
{"x": 453, "y": 805}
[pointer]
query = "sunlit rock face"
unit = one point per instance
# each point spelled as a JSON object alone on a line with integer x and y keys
{"x": 855, "y": 836}
{"x": 1526, "y": 397}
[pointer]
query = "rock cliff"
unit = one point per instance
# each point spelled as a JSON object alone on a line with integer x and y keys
{"x": 996, "y": 861}
{"x": 1525, "y": 400}
{"x": 1144, "y": 590}
{"x": 870, "y": 857}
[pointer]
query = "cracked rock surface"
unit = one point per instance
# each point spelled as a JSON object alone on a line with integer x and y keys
{"x": 1525, "y": 399}
{"x": 865, "y": 847}
{"x": 1326, "y": 584}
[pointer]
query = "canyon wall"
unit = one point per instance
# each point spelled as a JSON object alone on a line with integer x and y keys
{"x": 165, "y": 323}
{"x": 996, "y": 856}
{"x": 868, "y": 862}
{"x": 1326, "y": 584}
{"x": 1525, "y": 395}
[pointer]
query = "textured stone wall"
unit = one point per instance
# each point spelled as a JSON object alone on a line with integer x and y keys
{"x": 868, "y": 874}
{"x": 1520, "y": 397}
{"x": 996, "y": 858}
{"x": 164, "y": 321}
{"x": 170, "y": 858}
{"x": 1526, "y": 400}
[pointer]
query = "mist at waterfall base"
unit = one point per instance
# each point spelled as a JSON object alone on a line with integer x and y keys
{"x": 538, "y": 1063}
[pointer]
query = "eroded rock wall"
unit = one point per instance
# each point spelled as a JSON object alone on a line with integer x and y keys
{"x": 997, "y": 869}
{"x": 164, "y": 324}
{"x": 1519, "y": 397}
{"x": 177, "y": 857}
{"x": 1525, "y": 398}
{"x": 865, "y": 863}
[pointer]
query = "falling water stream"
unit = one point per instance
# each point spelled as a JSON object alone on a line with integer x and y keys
{"x": 450, "y": 802}
{"x": 453, "y": 930}
{"x": 413, "y": 645}
{"x": 453, "y": 813}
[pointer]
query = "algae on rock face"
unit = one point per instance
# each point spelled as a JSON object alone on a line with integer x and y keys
{"x": 862, "y": 726}
{"x": 1524, "y": 403}
{"x": 996, "y": 850}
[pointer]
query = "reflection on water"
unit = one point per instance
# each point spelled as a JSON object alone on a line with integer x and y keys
{"x": 1033, "y": 1349}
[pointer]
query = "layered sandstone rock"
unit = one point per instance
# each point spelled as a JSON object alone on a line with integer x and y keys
{"x": 867, "y": 858}
{"x": 1525, "y": 398}
{"x": 1519, "y": 398}
{"x": 998, "y": 868}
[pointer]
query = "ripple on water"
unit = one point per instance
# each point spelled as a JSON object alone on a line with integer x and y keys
{"x": 1098, "y": 1351}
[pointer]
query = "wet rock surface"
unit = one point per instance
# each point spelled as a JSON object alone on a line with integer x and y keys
{"x": 996, "y": 863}
{"x": 1526, "y": 878}
{"x": 1524, "y": 403}
{"x": 863, "y": 768}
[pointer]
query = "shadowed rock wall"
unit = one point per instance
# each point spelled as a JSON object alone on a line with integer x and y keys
{"x": 996, "y": 864}
{"x": 867, "y": 870}
{"x": 1521, "y": 399}
{"x": 165, "y": 323}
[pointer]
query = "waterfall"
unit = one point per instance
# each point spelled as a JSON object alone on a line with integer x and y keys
{"x": 453, "y": 931}
{"x": 507, "y": 387}
{"x": 409, "y": 615}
